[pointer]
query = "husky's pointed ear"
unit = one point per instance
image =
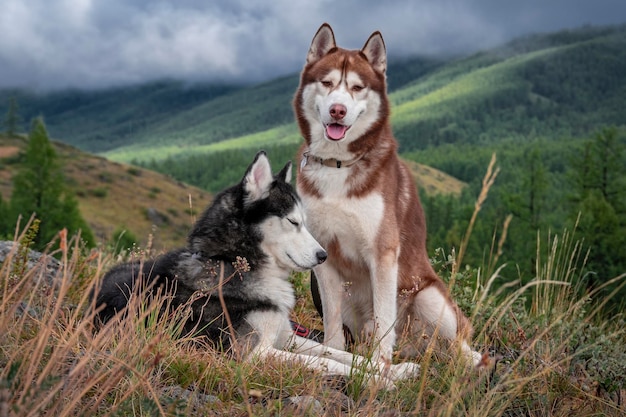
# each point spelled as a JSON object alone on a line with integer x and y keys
{"x": 323, "y": 41}
{"x": 375, "y": 51}
{"x": 285, "y": 173}
{"x": 258, "y": 178}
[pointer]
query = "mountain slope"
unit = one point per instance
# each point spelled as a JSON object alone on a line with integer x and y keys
{"x": 112, "y": 195}
{"x": 564, "y": 84}
{"x": 570, "y": 88}
{"x": 167, "y": 113}
{"x": 105, "y": 119}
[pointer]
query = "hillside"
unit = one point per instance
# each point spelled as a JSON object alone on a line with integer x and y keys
{"x": 170, "y": 116}
{"x": 113, "y": 195}
{"x": 562, "y": 84}
{"x": 101, "y": 120}
{"x": 565, "y": 84}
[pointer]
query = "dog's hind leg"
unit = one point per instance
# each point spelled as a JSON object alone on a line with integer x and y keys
{"x": 435, "y": 310}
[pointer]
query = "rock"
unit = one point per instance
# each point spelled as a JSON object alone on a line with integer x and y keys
{"x": 337, "y": 403}
{"x": 303, "y": 405}
{"x": 157, "y": 218}
{"x": 194, "y": 400}
{"x": 25, "y": 309}
{"x": 48, "y": 266}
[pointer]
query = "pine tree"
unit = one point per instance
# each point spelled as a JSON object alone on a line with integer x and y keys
{"x": 536, "y": 186}
{"x": 597, "y": 176}
{"x": 39, "y": 189}
{"x": 600, "y": 167}
{"x": 4, "y": 217}
{"x": 12, "y": 119}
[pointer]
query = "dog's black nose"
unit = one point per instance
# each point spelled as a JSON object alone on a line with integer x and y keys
{"x": 321, "y": 256}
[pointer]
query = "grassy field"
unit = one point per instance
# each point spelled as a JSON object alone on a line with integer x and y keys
{"x": 549, "y": 350}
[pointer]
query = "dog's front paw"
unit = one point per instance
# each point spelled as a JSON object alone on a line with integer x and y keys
{"x": 475, "y": 358}
{"x": 403, "y": 370}
{"x": 369, "y": 329}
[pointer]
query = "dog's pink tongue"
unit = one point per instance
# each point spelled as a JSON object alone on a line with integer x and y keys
{"x": 336, "y": 131}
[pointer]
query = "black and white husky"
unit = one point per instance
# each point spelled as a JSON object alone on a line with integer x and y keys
{"x": 254, "y": 233}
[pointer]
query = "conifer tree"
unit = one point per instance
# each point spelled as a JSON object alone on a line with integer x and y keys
{"x": 39, "y": 189}
{"x": 536, "y": 185}
{"x": 599, "y": 198}
{"x": 12, "y": 118}
{"x": 4, "y": 216}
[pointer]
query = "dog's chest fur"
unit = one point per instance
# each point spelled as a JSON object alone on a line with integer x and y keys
{"x": 336, "y": 220}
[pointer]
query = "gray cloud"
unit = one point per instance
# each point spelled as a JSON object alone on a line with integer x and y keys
{"x": 93, "y": 43}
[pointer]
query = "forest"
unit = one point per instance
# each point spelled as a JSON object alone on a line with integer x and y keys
{"x": 546, "y": 187}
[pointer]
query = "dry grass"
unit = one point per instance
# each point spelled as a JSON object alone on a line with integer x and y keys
{"x": 434, "y": 181}
{"x": 488, "y": 180}
{"x": 53, "y": 363}
{"x": 552, "y": 351}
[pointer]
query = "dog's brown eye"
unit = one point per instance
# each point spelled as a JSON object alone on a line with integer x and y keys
{"x": 357, "y": 88}
{"x": 328, "y": 84}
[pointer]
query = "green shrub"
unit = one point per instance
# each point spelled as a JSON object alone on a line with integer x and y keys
{"x": 100, "y": 192}
{"x": 123, "y": 240}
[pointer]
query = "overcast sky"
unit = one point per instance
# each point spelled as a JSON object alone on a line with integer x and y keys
{"x": 51, "y": 44}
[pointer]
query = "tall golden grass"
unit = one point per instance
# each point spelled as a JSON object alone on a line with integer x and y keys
{"x": 551, "y": 349}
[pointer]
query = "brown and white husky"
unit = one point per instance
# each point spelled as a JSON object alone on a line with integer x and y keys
{"x": 362, "y": 206}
